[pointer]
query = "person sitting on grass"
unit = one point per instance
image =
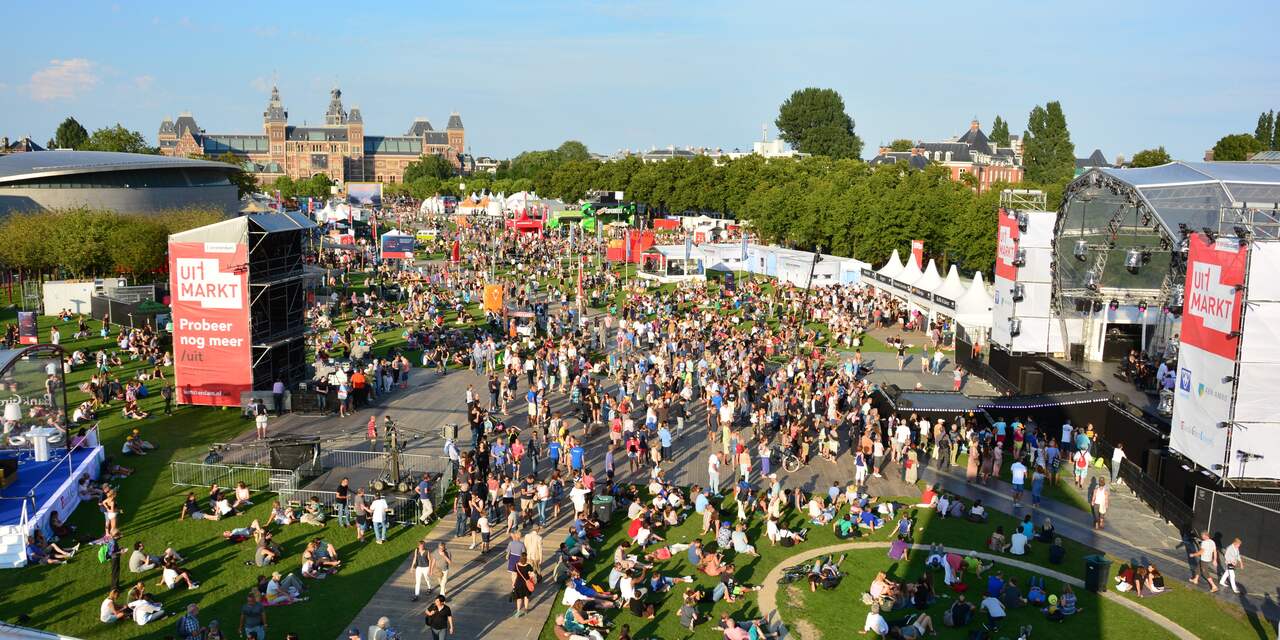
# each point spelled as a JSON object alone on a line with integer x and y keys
{"x": 977, "y": 513}
{"x": 266, "y": 552}
{"x": 283, "y": 590}
{"x": 1045, "y": 533}
{"x": 1057, "y": 552}
{"x": 582, "y": 591}
{"x": 1019, "y": 543}
{"x": 740, "y": 542}
{"x": 132, "y": 411}
{"x": 313, "y": 513}
{"x": 959, "y": 614}
{"x": 748, "y": 630}
{"x": 712, "y": 564}
{"x": 146, "y": 610}
{"x": 174, "y": 575}
{"x": 146, "y": 446}
{"x": 240, "y": 534}
{"x": 579, "y": 622}
{"x": 915, "y": 626}
{"x": 689, "y": 615}
{"x": 1011, "y": 594}
{"x": 845, "y": 527}
{"x": 928, "y": 498}
{"x": 1154, "y": 583}
{"x": 242, "y": 497}
{"x": 1052, "y": 612}
{"x": 1068, "y": 601}
{"x": 975, "y": 565}
{"x": 281, "y": 515}
{"x": 728, "y": 588}
{"x": 867, "y": 519}
{"x": 40, "y": 553}
{"x": 191, "y": 509}
{"x": 780, "y": 536}
{"x": 825, "y": 573}
{"x": 997, "y": 541}
{"x": 109, "y": 611}
{"x": 140, "y": 561}
{"x": 132, "y": 447}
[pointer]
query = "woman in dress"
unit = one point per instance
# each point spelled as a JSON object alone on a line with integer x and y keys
{"x": 526, "y": 580}
{"x": 971, "y": 468}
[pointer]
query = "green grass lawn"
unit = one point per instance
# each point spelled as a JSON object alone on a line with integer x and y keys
{"x": 840, "y": 611}
{"x": 65, "y": 598}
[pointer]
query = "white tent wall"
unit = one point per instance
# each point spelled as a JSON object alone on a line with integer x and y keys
{"x": 1039, "y": 329}
{"x": 1255, "y": 405}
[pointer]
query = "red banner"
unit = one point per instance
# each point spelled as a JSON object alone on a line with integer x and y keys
{"x": 212, "y": 351}
{"x": 1212, "y": 303}
{"x": 917, "y": 252}
{"x": 1006, "y": 247}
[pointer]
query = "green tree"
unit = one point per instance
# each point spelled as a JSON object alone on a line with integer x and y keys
{"x": 81, "y": 241}
{"x": 1236, "y": 147}
{"x": 179, "y": 220}
{"x": 27, "y": 243}
{"x": 814, "y": 121}
{"x": 136, "y": 245}
{"x": 1150, "y": 158}
{"x": 432, "y": 166}
{"x": 119, "y": 139}
{"x": 70, "y": 135}
{"x": 901, "y": 144}
{"x": 1048, "y": 154}
{"x": 573, "y": 150}
{"x": 244, "y": 181}
{"x": 1265, "y": 132}
{"x": 999, "y": 132}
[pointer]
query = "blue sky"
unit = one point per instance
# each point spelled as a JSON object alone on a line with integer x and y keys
{"x": 528, "y": 75}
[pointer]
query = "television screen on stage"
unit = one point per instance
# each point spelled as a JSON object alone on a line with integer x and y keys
{"x": 1206, "y": 358}
{"x": 212, "y": 350}
{"x": 397, "y": 247}
{"x": 365, "y": 194}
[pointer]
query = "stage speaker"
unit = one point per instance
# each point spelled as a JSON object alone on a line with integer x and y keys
{"x": 291, "y": 453}
{"x": 1155, "y": 462}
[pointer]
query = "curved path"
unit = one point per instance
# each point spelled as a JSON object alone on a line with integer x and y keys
{"x": 768, "y": 597}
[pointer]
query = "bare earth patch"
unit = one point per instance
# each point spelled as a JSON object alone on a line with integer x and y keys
{"x": 806, "y": 631}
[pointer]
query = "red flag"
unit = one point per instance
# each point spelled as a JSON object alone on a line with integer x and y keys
{"x": 456, "y": 254}
{"x": 579, "y": 283}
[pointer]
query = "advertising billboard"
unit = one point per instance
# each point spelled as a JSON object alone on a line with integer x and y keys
{"x": 212, "y": 350}
{"x": 397, "y": 246}
{"x": 28, "y": 331}
{"x": 364, "y": 194}
{"x": 1206, "y": 358}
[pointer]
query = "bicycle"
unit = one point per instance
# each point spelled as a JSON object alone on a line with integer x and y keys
{"x": 791, "y": 462}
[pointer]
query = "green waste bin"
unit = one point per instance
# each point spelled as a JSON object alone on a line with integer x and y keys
{"x": 1097, "y": 570}
{"x": 603, "y": 507}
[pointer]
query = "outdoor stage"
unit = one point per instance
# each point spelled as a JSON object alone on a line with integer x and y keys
{"x": 41, "y": 489}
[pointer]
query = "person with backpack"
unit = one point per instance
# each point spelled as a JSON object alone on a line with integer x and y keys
{"x": 959, "y": 614}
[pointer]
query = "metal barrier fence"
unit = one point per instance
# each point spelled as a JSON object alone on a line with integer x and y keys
{"x": 1147, "y": 489}
{"x": 405, "y": 509}
{"x": 199, "y": 474}
{"x": 1238, "y": 515}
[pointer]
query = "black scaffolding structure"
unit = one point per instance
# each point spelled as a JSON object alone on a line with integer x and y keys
{"x": 278, "y": 244}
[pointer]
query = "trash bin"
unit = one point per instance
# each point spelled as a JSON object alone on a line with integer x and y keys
{"x": 603, "y": 507}
{"x": 1097, "y": 570}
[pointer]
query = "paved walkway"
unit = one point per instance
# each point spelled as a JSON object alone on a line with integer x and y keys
{"x": 768, "y": 598}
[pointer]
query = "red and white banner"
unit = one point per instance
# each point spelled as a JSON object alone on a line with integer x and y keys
{"x": 917, "y": 251}
{"x": 1206, "y": 357}
{"x": 1006, "y": 247}
{"x": 212, "y": 350}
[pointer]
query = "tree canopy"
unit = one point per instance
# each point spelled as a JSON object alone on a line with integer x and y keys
{"x": 999, "y": 132}
{"x": 1266, "y": 132}
{"x": 316, "y": 186}
{"x": 119, "y": 139}
{"x": 814, "y": 121}
{"x": 1047, "y": 152}
{"x": 573, "y": 150}
{"x": 901, "y": 144}
{"x": 1150, "y": 158}
{"x": 428, "y": 166}
{"x": 70, "y": 135}
{"x": 1236, "y": 147}
{"x": 243, "y": 180}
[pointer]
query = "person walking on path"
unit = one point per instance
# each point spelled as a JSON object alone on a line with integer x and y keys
{"x": 515, "y": 555}
{"x": 1232, "y": 562}
{"x": 440, "y": 563}
{"x": 420, "y": 566}
{"x": 1117, "y": 458}
{"x": 1099, "y": 502}
{"x": 1206, "y": 562}
{"x": 526, "y": 578}
{"x": 379, "y": 510}
{"x": 439, "y": 618}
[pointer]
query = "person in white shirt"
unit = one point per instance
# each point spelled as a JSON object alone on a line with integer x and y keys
{"x": 145, "y": 611}
{"x": 578, "y": 495}
{"x": 1018, "y": 476}
{"x": 109, "y": 611}
{"x": 379, "y": 508}
{"x": 1117, "y": 458}
{"x": 1206, "y": 562}
{"x": 1018, "y": 543}
{"x": 994, "y": 608}
{"x": 875, "y": 623}
{"x": 713, "y": 473}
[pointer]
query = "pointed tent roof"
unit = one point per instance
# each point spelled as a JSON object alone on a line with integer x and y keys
{"x": 930, "y": 281}
{"x": 973, "y": 309}
{"x": 893, "y": 267}
{"x": 910, "y": 274}
{"x": 951, "y": 288}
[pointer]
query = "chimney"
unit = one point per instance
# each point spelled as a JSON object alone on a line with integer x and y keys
{"x": 884, "y": 150}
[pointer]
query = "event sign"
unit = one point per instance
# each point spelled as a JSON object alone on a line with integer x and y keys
{"x": 1006, "y": 247}
{"x": 493, "y": 298}
{"x": 397, "y": 246}
{"x": 28, "y": 330}
{"x": 917, "y": 252}
{"x": 212, "y": 350}
{"x": 1206, "y": 358}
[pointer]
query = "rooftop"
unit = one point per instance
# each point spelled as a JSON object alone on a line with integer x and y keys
{"x": 25, "y": 166}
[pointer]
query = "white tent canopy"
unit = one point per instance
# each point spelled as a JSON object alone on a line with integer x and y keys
{"x": 930, "y": 281}
{"x": 952, "y": 289}
{"x": 893, "y": 267}
{"x": 910, "y": 274}
{"x": 973, "y": 309}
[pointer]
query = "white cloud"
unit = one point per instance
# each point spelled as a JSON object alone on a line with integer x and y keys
{"x": 63, "y": 79}
{"x": 144, "y": 82}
